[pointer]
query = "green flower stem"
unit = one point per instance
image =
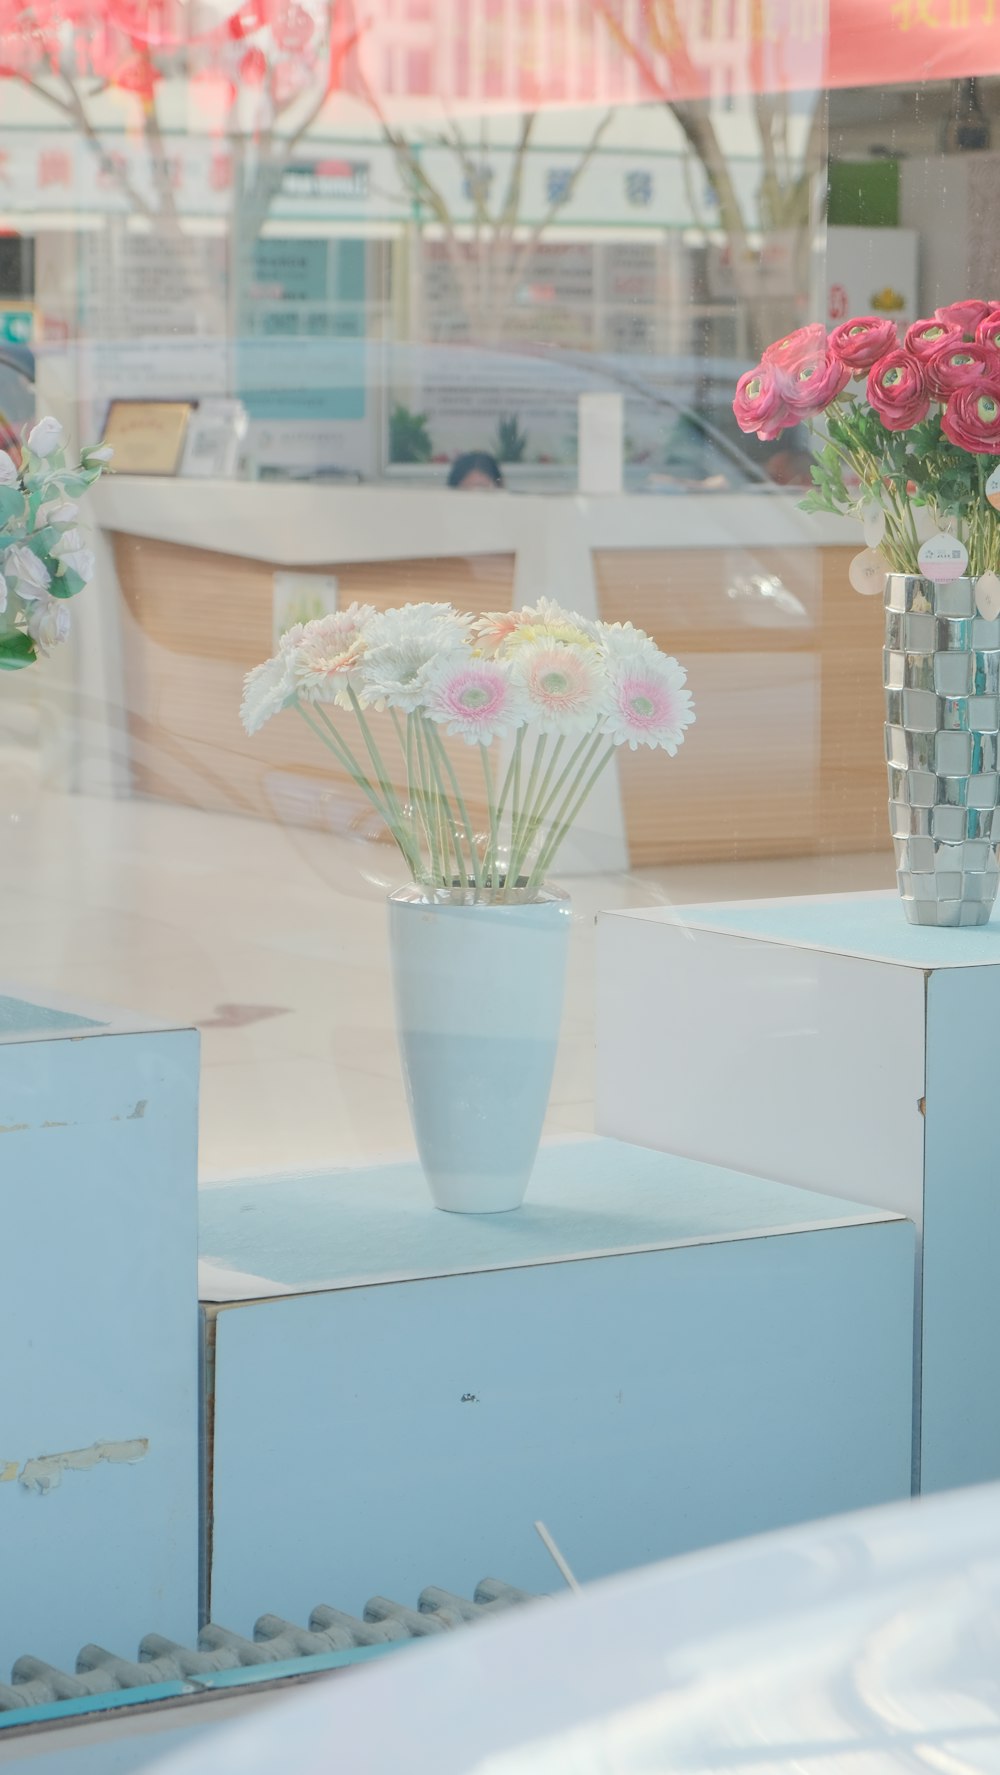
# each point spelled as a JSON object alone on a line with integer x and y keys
{"x": 519, "y": 831}
{"x": 565, "y": 821}
{"x": 341, "y": 751}
{"x": 314, "y": 714}
{"x": 378, "y": 764}
{"x": 403, "y": 739}
{"x": 579, "y": 760}
{"x": 491, "y": 864}
{"x": 437, "y": 839}
{"x": 438, "y": 812}
{"x": 534, "y": 817}
{"x": 508, "y": 781}
{"x": 438, "y": 746}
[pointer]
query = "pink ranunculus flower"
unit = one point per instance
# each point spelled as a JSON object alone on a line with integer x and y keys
{"x": 897, "y": 390}
{"x": 959, "y": 366}
{"x": 761, "y": 402}
{"x": 859, "y": 343}
{"x": 972, "y": 418}
{"x": 788, "y": 353}
{"x": 817, "y": 381}
{"x": 988, "y": 330}
{"x": 925, "y": 337}
{"x": 966, "y": 315}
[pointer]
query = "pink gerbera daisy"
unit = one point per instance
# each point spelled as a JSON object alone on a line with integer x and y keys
{"x": 650, "y": 706}
{"x": 473, "y": 698}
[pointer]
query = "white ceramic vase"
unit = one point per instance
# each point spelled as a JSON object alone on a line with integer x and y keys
{"x": 479, "y": 991}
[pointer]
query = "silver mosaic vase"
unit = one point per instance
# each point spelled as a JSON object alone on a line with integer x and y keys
{"x": 942, "y": 734}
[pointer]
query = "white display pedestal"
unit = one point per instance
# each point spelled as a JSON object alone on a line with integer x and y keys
{"x": 649, "y": 1356}
{"x": 99, "y": 1396}
{"x": 827, "y": 1043}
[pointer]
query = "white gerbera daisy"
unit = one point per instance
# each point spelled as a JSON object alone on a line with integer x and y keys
{"x": 622, "y": 640}
{"x": 267, "y": 690}
{"x": 399, "y": 647}
{"x": 649, "y": 704}
{"x": 565, "y": 688}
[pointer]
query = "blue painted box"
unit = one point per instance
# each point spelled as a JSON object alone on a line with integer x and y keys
{"x": 829, "y": 1043}
{"x": 98, "y": 1331}
{"x": 650, "y": 1356}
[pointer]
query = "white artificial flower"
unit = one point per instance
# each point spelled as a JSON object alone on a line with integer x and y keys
{"x": 45, "y": 437}
{"x": 400, "y": 645}
{"x": 48, "y": 622}
{"x": 268, "y": 689}
{"x": 56, "y": 511}
{"x": 72, "y": 553}
{"x": 565, "y": 687}
{"x": 623, "y": 641}
{"x": 30, "y": 576}
{"x": 8, "y": 470}
{"x": 95, "y": 454}
{"x": 3, "y": 594}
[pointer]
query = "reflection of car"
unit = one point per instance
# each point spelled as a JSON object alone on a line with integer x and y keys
{"x": 867, "y": 1643}
{"x": 679, "y": 424}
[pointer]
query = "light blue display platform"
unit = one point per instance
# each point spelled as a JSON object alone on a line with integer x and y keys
{"x": 588, "y": 1198}
{"x": 98, "y": 1329}
{"x": 868, "y": 925}
{"x": 828, "y": 1043}
{"x": 650, "y": 1356}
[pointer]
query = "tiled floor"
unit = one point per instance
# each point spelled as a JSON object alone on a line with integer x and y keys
{"x": 272, "y": 939}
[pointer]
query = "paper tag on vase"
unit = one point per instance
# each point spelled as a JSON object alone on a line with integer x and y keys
{"x": 943, "y": 557}
{"x": 993, "y": 489}
{"x": 867, "y": 572}
{"x": 988, "y": 596}
{"x": 873, "y": 525}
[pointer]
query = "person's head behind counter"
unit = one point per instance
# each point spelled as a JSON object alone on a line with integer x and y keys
{"x": 475, "y": 472}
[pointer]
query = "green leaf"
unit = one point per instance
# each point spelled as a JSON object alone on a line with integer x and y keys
{"x": 12, "y": 506}
{"x": 16, "y": 650}
{"x": 67, "y": 583}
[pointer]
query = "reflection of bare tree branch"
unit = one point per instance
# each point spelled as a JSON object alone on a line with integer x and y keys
{"x": 487, "y": 278}
{"x": 784, "y": 197}
{"x": 73, "y": 108}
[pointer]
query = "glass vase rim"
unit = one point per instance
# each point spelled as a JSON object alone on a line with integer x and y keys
{"x": 472, "y": 899}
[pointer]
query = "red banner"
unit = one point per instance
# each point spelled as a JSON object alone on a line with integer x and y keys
{"x": 515, "y": 54}
{"x": 905, "y": 42}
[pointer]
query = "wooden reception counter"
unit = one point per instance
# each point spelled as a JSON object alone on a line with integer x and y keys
{"x": 784, "y": 658}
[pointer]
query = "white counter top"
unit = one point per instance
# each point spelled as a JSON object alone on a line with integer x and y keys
{"x": 300, "y": 524}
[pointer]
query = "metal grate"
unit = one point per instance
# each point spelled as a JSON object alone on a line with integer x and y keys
{"x": 99, "y": 1672}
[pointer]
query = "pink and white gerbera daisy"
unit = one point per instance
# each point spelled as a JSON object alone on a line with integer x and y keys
{"x": 327, "y": 652}
{"x": 650, "y": 706}
{"x": 501, "y": 631}
{"x": 475, "y": 699}
{"x": 564, "y": 686}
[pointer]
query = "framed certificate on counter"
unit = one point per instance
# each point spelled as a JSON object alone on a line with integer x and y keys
{"x": 147, "y": 436}
{"x": 213, "y": 440}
